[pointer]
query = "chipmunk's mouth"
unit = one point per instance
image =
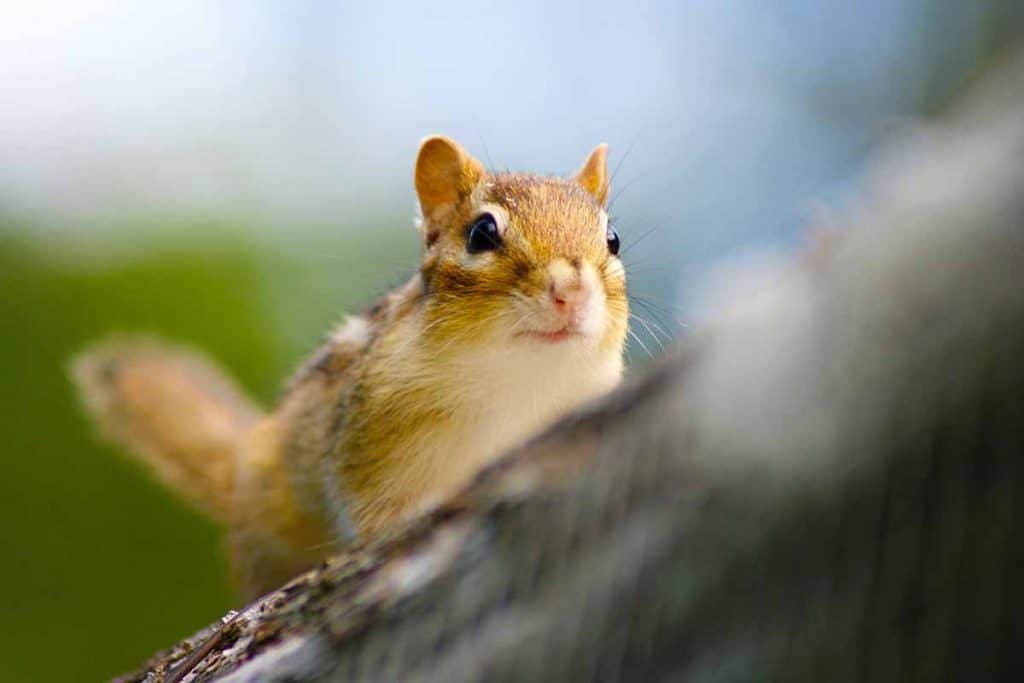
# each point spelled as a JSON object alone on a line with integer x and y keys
{"x": 553, "y": 337}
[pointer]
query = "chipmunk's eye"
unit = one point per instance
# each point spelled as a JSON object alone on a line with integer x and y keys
{"x": 613, "y": 240}
{"x": 483, "y": 235}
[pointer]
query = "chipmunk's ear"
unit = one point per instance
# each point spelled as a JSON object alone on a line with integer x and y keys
{"x": 445, "y": 174}
{"x": 593, "y": 177}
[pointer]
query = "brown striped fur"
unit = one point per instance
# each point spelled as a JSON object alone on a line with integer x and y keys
{"x": 404, "y": 403}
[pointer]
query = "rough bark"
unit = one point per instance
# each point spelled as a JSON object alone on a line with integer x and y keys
{"x": 824, "y": 484}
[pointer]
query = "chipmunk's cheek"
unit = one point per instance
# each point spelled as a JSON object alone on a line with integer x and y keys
{"x": 593, "y": 317}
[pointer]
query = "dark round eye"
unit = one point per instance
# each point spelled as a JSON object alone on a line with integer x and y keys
{"x": 483, "y": 235}
{"x": 613, "y": 240}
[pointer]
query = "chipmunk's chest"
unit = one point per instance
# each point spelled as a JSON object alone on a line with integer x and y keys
{"x": 499, "y": 401}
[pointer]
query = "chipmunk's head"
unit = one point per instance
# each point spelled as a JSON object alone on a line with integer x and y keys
{"x": 519, "y": 259}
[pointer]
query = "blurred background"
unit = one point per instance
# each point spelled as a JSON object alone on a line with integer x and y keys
{"x": 238, "y": 174}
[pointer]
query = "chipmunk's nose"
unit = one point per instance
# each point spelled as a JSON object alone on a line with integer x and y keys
{"x": 570, "y": 289}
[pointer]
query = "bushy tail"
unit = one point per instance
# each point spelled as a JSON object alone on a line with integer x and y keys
{"x": 174, "y": 410}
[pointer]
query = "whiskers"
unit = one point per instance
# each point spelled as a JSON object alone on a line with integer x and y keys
{"x": 634, "y": 336}
{"x": 660, "y": 324}
{"x": 654, "y": 331}
{"x": 658, "y": 319}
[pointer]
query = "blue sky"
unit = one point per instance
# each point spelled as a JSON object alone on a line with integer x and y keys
{"x": 737, "y": 116}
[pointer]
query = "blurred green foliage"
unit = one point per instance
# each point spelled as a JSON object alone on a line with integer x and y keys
{"x": 102, "y": 566}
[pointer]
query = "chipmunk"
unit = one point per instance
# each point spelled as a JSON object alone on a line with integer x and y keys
{"x": 517, "y": 314}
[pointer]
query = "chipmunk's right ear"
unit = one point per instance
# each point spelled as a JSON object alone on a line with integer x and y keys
{"x": 445, "y": 174}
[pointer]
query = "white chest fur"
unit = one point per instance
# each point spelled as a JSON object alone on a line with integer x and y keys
{"x": 499, "y": 398}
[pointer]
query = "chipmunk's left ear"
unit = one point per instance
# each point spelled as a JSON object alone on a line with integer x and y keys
{"x": 593, "y": 177}
{"x": 445, "y": 174}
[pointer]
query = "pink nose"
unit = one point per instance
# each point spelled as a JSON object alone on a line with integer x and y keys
{"x": 569, "y": 296}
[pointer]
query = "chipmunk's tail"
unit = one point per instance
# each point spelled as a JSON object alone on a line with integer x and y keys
{"x": 174, "y": 410}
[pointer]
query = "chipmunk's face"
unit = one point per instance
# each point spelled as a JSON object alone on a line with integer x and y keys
{"x": 516, "y": 259}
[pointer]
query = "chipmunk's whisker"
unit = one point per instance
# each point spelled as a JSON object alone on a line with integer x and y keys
{"x": 639, "y": 341}
{"x": 652, "y": 332}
